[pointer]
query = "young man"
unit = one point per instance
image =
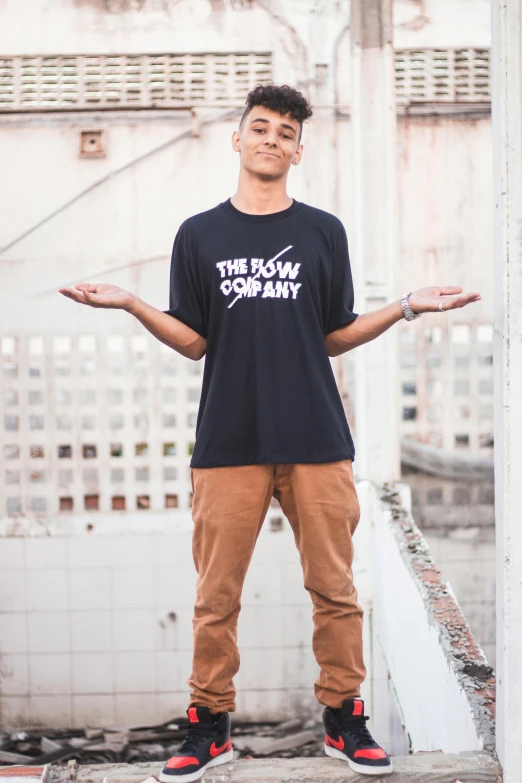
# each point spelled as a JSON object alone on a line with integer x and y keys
{"x": 261, "y": 284}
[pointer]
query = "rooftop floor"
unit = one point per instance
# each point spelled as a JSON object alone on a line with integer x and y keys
{"x": 468, "y": 767}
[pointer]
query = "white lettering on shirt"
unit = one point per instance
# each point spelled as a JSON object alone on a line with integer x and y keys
{"x": 269, "y": 289}
{"x": 236, "y": 269}
{"x": 226, "y": 287}
{"x": 288, "y": 269}
{"x": 269, "y": 269}
{"x": 281, "y": 289}
{"x": 254, "y": 287}
{"x": 239, "y": 285}
{"x": 233, "y": 267}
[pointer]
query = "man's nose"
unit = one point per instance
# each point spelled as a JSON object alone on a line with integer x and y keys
{"x": 271, "y": 140}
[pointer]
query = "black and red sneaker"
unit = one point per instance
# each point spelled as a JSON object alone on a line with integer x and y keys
{"x": 207, "y": 744}
{"x": 348, "y": 738}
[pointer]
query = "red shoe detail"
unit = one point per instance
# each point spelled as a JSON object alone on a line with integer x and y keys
{"x": 216, "y": 751}
{"x": 181, "y": 761}
{"x": 371, "y": 753}
{"x": 357, "y": 707}
{"x": 193, "y": 715}
{"x": 339, "y": 744}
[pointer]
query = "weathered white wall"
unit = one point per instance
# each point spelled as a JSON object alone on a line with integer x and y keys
{"x": 507, "y": 203}
{"x": 87, "y": 635}
{"x": 85, "y": 26}
{"x": 440, "y": 23}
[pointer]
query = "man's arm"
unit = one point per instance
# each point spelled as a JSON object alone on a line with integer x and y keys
{"x": 368, "y": 326}
{"x": 169, "y": 330}
{"x": 164, "y": 327}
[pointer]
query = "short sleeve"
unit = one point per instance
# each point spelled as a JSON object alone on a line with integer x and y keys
{"x": 341, "y": 290}
{"x": 186, "y": 298}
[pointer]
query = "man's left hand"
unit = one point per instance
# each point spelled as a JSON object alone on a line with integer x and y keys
{"x": 426, "y": 300}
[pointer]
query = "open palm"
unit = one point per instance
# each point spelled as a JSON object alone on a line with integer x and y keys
{"x": 428, "y": 299}
{"x": 99, "y": 295}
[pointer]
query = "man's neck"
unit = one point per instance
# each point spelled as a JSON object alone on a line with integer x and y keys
{"x": 256, "y": 197}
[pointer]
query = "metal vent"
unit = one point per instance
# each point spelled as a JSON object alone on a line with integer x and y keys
{"x": 129, "y": 81}
{"x": 442, "y": 75}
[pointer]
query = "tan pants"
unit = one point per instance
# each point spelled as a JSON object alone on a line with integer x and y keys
{"x": 228, "y": 509}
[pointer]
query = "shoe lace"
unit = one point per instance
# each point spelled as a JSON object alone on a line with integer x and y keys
{"x": 356, "y": 725}
{"x": 195, "y": 734}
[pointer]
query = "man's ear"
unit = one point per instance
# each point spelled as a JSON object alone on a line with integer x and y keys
{"x": 298, "y": 155}
{"x": 236, "y": 138}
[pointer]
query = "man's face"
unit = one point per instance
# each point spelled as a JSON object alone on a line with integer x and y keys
{"x": 268, "y": 143}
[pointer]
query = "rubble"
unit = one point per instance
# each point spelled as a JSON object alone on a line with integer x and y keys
{"x": 14, "y": 758}
{"x": 266, "y": 746}
{"x": 119, "y": 744}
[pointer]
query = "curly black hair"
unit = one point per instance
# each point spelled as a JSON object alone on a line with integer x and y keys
{"x": 282, "y": 99}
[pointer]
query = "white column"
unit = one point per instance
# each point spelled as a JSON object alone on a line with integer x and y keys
{"x": 372, "y": 234}
{"x": 506, "y": 55}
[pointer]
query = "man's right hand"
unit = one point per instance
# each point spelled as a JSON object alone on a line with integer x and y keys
{"x": 174, "y": 333}
{"x": 100, "y": 295}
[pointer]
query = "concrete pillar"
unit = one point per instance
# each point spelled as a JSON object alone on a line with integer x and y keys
{"x": 506, "y": 55}
{"x": 372, "y": 234}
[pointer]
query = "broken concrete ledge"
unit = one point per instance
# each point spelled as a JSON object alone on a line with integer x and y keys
{"x": 466, "y": 682}
{"x": 467, "y": 767}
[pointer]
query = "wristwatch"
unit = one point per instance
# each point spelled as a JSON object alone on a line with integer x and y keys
{"x": 408, "y": 312}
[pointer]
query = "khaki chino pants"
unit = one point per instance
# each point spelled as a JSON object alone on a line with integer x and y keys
{"x": 228, "y": 508}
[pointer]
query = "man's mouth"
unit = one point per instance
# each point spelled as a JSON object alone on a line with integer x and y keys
{"x": 270, "y": 154}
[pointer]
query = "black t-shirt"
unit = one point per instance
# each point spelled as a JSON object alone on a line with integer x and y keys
{"x": 264, "y": 290}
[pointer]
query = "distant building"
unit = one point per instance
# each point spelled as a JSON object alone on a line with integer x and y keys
{"x": 112, "y": 132}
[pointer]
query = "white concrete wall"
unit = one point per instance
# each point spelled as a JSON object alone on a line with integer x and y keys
{"x": 439, "y": 23}
{"x": 88, "y": 27}
{"x": 87, "y": 635}
{"x": 413, "y": 647}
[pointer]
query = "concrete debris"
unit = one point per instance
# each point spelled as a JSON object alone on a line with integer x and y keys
{"x": 14, "y": 758}
{"x": 289, "y": 725}
{"x": 116, "y": 736}
{"x": 151, "y": 751}
{"x": 291, "y": 738}
{"x": 93, "y": 733}
{"x": 48, "y": 745}
{"x": 61, "y": 754}
{"x": 78, "y": 742}
{"x": 264, "y": 746}
{"x": 117, "y": 748}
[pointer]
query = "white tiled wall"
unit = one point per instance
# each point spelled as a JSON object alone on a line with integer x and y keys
{"x": 96, "y": 628}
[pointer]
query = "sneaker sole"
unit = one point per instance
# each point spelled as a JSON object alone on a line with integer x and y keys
{"x": 223, "y": 759}
{"x": 361, "y": 768}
